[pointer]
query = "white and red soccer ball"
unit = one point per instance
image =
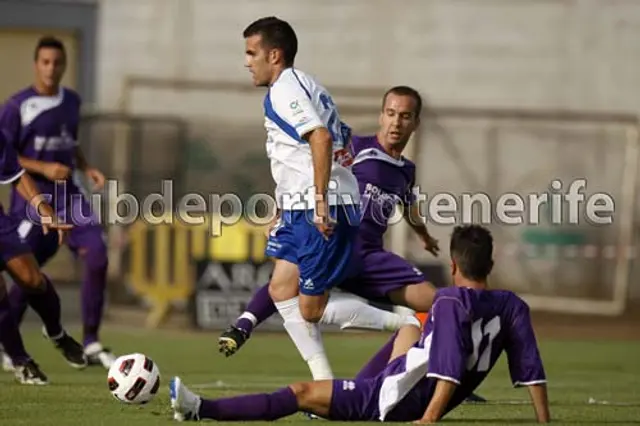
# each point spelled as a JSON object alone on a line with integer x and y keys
{"x": 134, "y": 379}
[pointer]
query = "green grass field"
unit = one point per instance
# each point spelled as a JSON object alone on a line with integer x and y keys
{"x": 608, "y": 372}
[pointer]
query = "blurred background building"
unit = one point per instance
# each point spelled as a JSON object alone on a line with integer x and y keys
{"x": 518, "y": 93}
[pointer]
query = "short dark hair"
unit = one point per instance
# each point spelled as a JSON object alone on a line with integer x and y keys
{"x": 405, "y": 91}
{"x": 277, "y": 34}
{"x": 471, "y": 248}
{"x": 48, "y": 42}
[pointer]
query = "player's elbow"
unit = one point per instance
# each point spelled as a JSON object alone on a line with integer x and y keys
{"x": 319, "y": 136}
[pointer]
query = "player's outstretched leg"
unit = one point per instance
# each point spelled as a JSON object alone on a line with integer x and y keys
{"x": 26, "y": 370}
{"x": 309, "y": 397}
{"x": 260, "y": 308}
{"x": 87, "y": 242}
{"x": 43, "y": 298}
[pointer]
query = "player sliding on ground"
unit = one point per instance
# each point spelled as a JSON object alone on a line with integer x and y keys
{"x": 17, "y": 260}
{"x": 315, "y": 239}
{"x": 416, "y": 376}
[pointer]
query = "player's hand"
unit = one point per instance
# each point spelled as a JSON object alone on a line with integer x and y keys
{"x": 323, "y": 220}
{"x": 56, "y": 171}
{"x": 431, "y": 245}
{"x": 50, "y": 221}
{"x": 424, "y": 421}
{"x": 96, "y": 177}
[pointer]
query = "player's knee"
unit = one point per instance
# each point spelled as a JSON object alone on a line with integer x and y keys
{"x": 304, "y": 394}
{"x": 95, "y": 256}
{"x": 280, "y": 291}
{"x": 311, "y": 313}
{"x": 30, "y": 278}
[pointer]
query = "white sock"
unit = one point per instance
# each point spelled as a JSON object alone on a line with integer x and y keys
{"x": 307, "y": 338}
{"x": 350, "y": 311}
{"x": 403, "y": 310}
{"x": 249, "y": 316}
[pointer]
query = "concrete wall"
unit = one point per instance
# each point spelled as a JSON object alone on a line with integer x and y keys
{"x": 552, "y": 53}
{"x": 574, "y": 54}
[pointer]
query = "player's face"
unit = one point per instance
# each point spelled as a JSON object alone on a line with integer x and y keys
{"x": 50, "y": 66}
{"x": 398, "y": 119}
{"x": 258, "y": 60}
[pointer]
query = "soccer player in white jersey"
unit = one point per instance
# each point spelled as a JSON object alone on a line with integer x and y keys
{"x": 313, "y": 243}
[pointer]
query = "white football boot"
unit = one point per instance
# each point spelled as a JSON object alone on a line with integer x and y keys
{"x": 185, "y": 404}
{"x": 7, "y": 364}
{"x": 99, "y": 355}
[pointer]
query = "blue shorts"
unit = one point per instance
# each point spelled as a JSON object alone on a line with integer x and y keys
{"x": 322, "y": 263}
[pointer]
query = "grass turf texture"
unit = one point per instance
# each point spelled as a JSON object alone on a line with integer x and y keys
{"x": 605, "y": 371}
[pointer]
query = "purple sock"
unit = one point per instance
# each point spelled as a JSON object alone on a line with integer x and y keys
{"x": 92, "y": 296}
{"x": 10, "y": 334}
{"x": 46, "y": 303}
{"x": 379, "y": 361}
{"x": 260, "y": 306}
{"x": 19, "y": 300}
{"x": 263, "y": 406}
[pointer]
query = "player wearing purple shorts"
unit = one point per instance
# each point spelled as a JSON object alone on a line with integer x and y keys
{"x": 385, "y": 179}
{"x": 16, "y": 259}
{"x": 41, "y": 122}
{"x": 469, "y": 327}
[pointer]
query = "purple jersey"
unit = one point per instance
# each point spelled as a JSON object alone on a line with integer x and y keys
{"x": 465, "y": 335}
{"x": 10, "y": 171}
{"x": 383, "y": 182}
{"x": 43, "y": 128}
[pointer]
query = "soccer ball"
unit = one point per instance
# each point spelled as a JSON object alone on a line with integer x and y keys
{"x": 134, "y": 379}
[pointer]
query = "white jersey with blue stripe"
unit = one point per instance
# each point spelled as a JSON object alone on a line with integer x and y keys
{"x": 295, "y": 105}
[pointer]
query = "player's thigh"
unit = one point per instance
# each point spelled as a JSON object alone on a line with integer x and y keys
{"x": 418, "y": 297}
{"x": 88, "y": 241}
{"x": 355, "y": 399}
{"x": 24, "y": 270}
{"x": 281, "y": 247}
{"x": 325, "y": 262}
{"x": 283, "y": 284}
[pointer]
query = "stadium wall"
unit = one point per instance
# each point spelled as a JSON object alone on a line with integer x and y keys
{"x": 580, "y": 55}
{"x": 550, "y": 54}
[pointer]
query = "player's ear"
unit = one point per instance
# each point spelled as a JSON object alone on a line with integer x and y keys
{"x": 454, "y": 267}
{"x": 274, "y": 55}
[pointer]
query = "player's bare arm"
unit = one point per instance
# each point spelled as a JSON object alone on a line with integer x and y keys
{"x": 441, "y": 397}
{"x": 321, "y": 146}
{"x": 538, "y": 394}
{"x": 50, "y": 170}
{"x": 95, "y": 175}
{"x": 412, "y": 217}
{"x": 29, "y": 191}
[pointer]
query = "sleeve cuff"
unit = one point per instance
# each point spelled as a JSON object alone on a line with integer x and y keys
{"x": 530, "y": 383}
{"x": 13, "y": 178}
{"x": 443, "y": 377}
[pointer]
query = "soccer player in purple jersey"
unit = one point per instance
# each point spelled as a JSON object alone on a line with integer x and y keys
{"x": 15, "y": 257}
{"x": 385, "y": 179}
{"x": 469, "y": 327}
{"x": 41, "y": 122}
